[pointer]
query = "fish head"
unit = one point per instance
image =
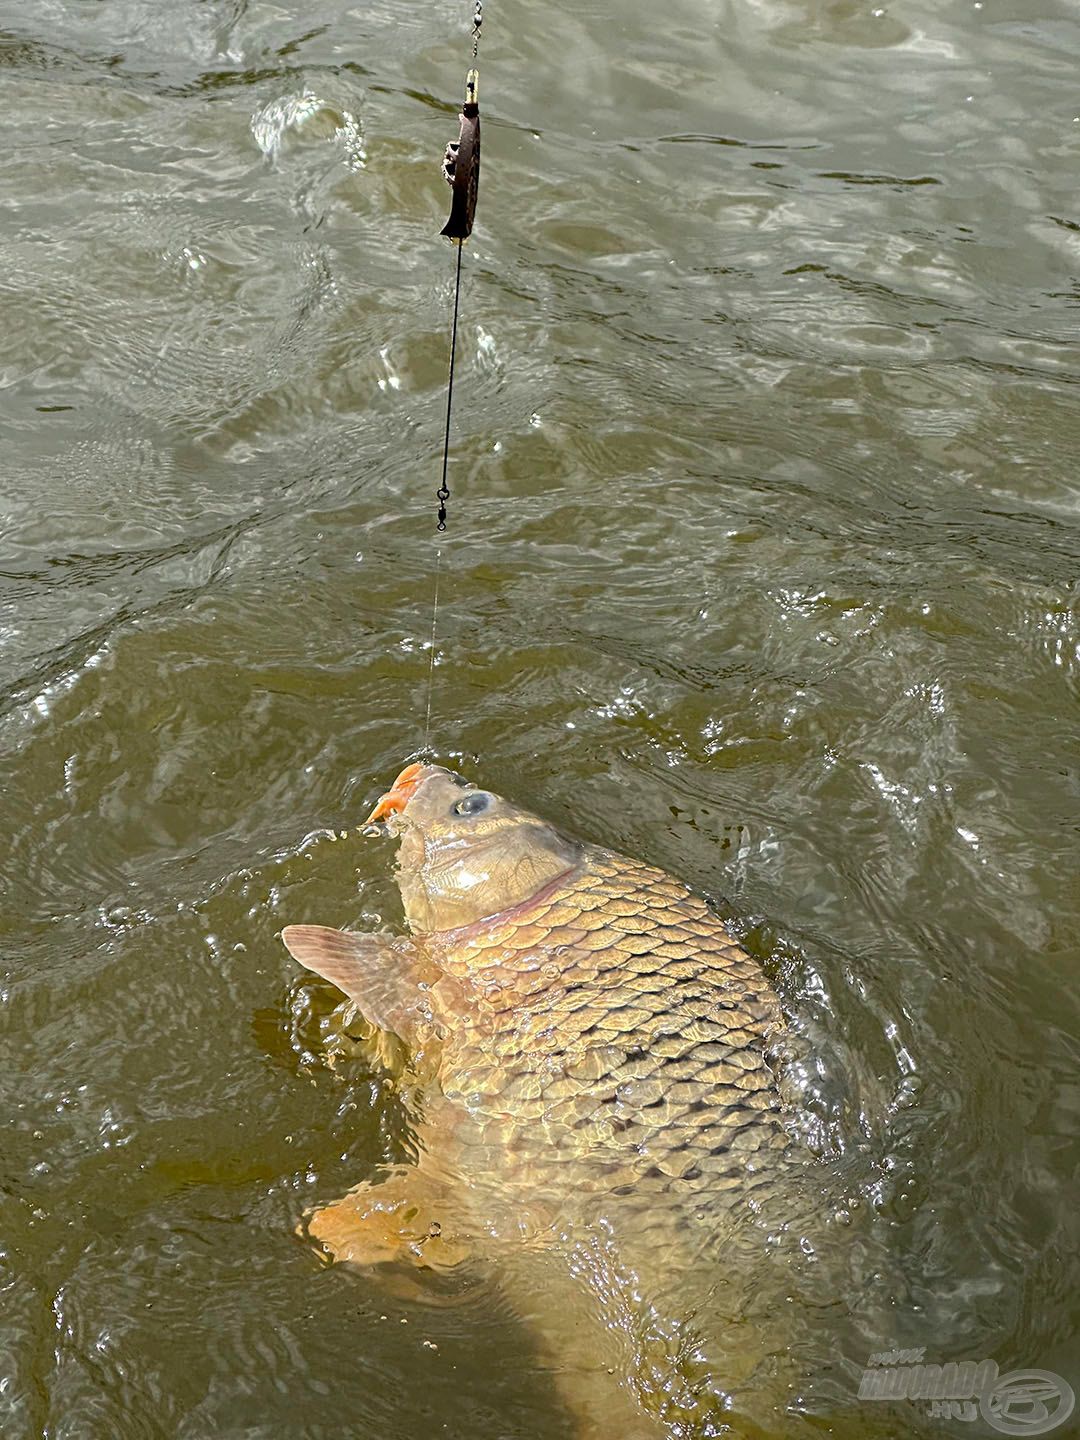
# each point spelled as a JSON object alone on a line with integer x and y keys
{"x": 466, "y": 855}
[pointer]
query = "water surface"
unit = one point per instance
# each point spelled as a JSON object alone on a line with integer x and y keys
{"x": 763, "y": 565}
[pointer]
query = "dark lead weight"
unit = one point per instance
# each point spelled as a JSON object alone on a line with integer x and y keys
{"x": 461, "y": 166}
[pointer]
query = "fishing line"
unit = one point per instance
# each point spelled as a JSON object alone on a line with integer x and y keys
{"x": 443, "y": 492}
{"x": 431, "y": 664}
{"x": 461, "y": 169}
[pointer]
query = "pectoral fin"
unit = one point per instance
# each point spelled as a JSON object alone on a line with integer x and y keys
{"x": 386, "y": 978}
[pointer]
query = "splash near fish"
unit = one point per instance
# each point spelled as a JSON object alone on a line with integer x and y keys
{"x": 600, "y": 1121}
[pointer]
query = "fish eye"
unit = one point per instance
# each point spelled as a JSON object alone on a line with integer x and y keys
{"x": 473, "y": 803}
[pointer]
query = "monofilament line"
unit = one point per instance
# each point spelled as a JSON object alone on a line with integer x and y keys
{"x": 431, "y": 657}
{"x": 443, "y": 493}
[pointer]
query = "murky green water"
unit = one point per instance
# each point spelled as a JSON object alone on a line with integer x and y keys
{"x": 763, "y": 566}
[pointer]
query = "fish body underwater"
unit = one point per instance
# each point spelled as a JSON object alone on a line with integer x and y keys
{"x": 600, "y": 1116}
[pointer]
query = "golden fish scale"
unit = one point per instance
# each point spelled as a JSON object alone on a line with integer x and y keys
{"x": 615, "y": 1036}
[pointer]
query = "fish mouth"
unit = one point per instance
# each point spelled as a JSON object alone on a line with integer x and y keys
{"x": 401, "y": 792}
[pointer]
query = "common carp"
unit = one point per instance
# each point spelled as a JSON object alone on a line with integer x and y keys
{"x": 599, "y": 1112}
